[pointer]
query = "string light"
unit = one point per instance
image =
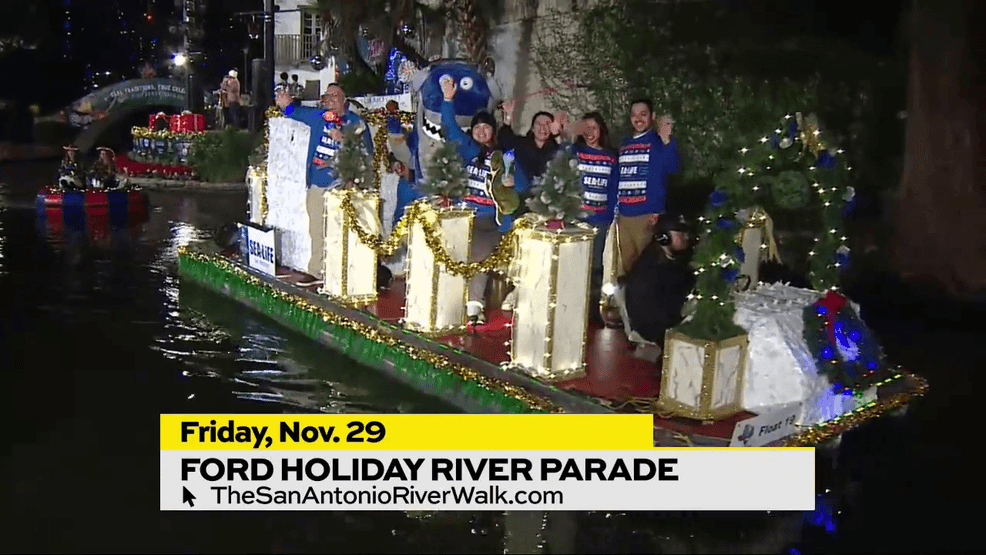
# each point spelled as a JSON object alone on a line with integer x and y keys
{"x": 221, "y": 273}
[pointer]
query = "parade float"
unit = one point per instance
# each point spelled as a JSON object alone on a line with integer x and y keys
{"x": 161, "y": 150}
{"x": 750, "y": 365}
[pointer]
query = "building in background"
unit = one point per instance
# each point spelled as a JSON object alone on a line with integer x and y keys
{"x": 297, "y": 39}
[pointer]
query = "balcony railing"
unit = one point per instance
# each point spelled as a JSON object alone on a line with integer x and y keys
{"x": 294, "y": 49}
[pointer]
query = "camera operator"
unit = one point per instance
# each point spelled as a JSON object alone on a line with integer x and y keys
{"x": 654, "y": 291}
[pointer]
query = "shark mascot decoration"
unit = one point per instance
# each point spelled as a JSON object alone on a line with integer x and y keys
{"x": 477, "y": 91}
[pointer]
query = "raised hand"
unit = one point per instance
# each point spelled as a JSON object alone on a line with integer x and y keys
{"x": 282, "y": 99}
{"x": 664, "y": 129}
{"x": 577, "y": 129}
{"x": 562, "y": 119}
{"x": 448, "y": 87}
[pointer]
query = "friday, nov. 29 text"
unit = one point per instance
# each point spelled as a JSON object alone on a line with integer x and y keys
{"x": 288, "y": 432}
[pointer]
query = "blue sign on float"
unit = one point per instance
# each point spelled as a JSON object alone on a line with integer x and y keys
{"x": 258, "y": 248}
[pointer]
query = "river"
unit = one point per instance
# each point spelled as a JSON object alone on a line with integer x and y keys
{"x": 100, "y": 338}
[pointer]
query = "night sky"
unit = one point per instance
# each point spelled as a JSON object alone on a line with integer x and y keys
{"x": 84, "y": 39}
{"x": 87, "y": 38}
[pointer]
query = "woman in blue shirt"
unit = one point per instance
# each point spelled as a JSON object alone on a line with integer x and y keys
{"x": 475, "y": 149}
{"x": 600, "y": 180}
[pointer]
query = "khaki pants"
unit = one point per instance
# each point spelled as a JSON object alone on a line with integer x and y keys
{"x": 634, "y": 233}
{"x": 485, "y": 238}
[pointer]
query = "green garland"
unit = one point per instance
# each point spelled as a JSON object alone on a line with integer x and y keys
{"x": 794, "y": 146}
{"x": 364, "y": 350}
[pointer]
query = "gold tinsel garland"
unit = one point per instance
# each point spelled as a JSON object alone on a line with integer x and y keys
{"x": 374, "y": 117}
{"x": 148, "y": 133}
{"x": 272, "y": 112}
{"x": 419, "y": 211}
{"x": 424, "y": 214}
{"x": 380, "y": 150}
{"x": 820, "y": 433}
{"x": 438, "y": 361}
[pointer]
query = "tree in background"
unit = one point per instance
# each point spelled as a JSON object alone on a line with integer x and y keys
{"x": 939, "y": 237}
{"x": 720, "y": 75}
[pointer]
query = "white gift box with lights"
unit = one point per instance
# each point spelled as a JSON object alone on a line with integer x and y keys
{"x": 703, "y": 379}
{"x": 256, "y": 181}
{"x": 551, "y": 314}
{"x": 435, "y": 301}
{"x": 294, "y": 209}
{"x": 610, "y": 265}
{"x": 350, "y": 265}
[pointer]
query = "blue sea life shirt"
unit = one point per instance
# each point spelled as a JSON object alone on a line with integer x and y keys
{"x": 645, "y": 161}
{"x": 477, "y": 168}
{"x": 322, "y": 148}
{"x": 600, "y": 182}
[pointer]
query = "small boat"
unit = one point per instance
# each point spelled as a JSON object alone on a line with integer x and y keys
{"x": 56, "y": 197}
{"x": 102, "y": 188}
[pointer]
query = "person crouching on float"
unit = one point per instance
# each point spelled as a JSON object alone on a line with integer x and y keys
{"x": 477, "y": 150}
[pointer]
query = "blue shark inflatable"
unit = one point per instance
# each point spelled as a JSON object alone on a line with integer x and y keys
{"x": 476, "y": 92}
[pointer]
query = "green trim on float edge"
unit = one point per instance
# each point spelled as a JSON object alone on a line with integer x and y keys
{"x": 394, "y": 360}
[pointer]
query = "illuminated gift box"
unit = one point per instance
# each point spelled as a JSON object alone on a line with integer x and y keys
{"x": 703, "y": 379}
{"x": 435, "y": 302}
{"x": 186, "y": 123}
{"x": 256, "y": 181}
{"x": 611, "y": 266}
{"x": 350, "y": 267}
{"x": 294, "y": 209}
{"x": 551, "y": 314}
{"x": 152, "y": 119}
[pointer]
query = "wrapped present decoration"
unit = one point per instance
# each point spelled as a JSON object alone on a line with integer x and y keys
{"x": 187, "y": 123}
{"x": 436, "y": 300}
{"x": 551, "y": 273}
{"x": 703, "y": 380}
{"x": 350, "y": 267}
{"x": 256, "y": 182}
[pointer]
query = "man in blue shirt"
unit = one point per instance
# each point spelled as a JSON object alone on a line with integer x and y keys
{"x": 326, "y": 124}
{"x": 646, "y": 159}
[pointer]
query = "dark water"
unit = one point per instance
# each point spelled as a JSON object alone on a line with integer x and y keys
{"x": 99, "y": 338}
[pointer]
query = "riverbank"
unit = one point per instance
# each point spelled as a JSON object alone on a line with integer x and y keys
{"x": 159, "y": 184}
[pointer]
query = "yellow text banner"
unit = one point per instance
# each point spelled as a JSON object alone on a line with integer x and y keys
{"x": 401, "y": 432}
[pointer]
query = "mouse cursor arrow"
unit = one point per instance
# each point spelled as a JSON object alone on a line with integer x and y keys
{"x": 187, "y": 497}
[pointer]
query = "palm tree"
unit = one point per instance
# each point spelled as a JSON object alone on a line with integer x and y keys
{"x": 473, "y": 30}
{"x": 345, "y": 22}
